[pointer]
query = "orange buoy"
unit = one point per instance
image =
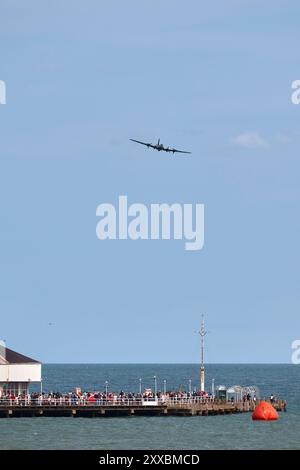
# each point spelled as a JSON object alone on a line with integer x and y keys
{"x": 265, "y": 411}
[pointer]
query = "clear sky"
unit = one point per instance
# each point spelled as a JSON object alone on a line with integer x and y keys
{"x": 214, "y": 77}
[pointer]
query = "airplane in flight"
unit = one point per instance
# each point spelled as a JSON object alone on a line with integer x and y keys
{"x": 159, "y": 147}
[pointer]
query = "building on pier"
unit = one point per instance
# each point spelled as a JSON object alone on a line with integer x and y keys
{"x": 17, "y": 372}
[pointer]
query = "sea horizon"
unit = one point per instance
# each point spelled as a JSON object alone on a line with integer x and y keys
{"x": 167, "y": 363}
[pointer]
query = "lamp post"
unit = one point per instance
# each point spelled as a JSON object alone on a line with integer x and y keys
{"x": 190, "y": 386}
{"x": 140, "y": 380}
{"x": 165, "y": 386}
{"x": 41, "y": 386}
{"x": 213, "y": 388}
{"x": 106, "y": 388}
{"x": 155, "y": 385}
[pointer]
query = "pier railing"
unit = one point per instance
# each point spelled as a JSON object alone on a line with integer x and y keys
{"x": 73, "y": 402}
{"x": 50, "y": 402}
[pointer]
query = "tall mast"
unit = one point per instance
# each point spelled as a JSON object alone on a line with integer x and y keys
{"x": 202, "y": 332}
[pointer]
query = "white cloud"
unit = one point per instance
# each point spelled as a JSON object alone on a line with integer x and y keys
{"x": 250, "y": 140}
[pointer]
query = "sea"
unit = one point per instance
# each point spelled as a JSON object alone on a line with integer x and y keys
{"x": 193, "y": 432}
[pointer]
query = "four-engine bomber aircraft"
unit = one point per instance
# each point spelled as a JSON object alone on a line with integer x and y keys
{"x": 159, "y": 147}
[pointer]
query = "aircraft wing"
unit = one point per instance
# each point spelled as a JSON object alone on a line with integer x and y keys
{"x": 148, "y": 144}
{"x": 179, "y": 151}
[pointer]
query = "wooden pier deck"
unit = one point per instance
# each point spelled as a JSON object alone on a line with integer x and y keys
{"x": 178, "y": 408}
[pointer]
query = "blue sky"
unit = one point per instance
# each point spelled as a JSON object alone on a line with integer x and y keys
{"x": 82, "y": 78}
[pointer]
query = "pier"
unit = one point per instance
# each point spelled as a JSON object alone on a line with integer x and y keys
{"x": 100, "y": 409}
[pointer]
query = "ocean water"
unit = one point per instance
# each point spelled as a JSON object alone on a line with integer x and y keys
{"x": 195, "y": 432}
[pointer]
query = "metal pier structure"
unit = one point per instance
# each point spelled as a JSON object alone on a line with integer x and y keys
{"x": 176, "y": 407}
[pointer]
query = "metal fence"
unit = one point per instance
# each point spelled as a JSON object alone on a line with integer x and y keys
{"x": 114, "y": 401}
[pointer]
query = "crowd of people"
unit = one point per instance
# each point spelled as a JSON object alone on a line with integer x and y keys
{"x": 79, "y": 397}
